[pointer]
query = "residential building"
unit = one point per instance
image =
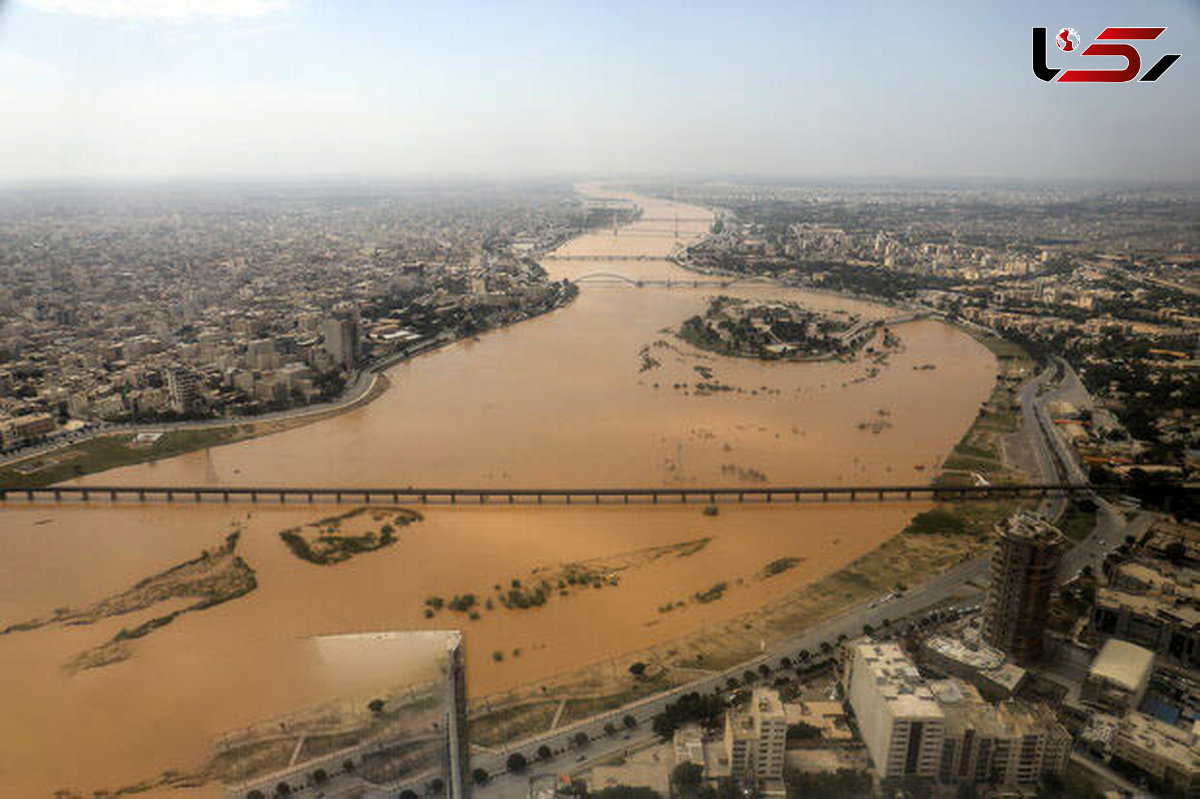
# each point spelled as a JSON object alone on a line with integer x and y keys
{"x": 1022, "y": 577}
{"x": 1011, "y": 745}
{"x": 756, "y": 739}
{"x": 181, "y": 388}
{"x": 1153, "y": 604}
{"x": 900, "y": 720}
{"x": 1167, "y": 754}
{"x": 22, "y": 430}
{"x": 1119, "y": 676}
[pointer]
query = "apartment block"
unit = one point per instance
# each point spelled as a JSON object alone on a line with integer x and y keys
{"x": 899, "y": 718}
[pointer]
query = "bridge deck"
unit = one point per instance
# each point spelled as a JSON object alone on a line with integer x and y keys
{"x": 87, "y": 495}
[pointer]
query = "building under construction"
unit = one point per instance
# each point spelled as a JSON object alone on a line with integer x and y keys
{"x": 1022, "y": 579}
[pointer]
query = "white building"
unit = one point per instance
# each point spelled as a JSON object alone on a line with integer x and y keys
{"x": 901, "y": 722}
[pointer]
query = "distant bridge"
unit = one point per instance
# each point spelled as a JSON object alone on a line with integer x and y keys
{"x": 567, "y": 257}
{"x": 870, "y": 325}
{"x": 100, "y": 496}
{"x": 669, "y": 282}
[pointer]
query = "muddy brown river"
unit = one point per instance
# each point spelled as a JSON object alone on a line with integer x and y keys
{"x": 562, "y": 400}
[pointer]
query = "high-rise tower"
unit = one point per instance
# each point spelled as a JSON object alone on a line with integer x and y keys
{"x": 1022, "y": 578}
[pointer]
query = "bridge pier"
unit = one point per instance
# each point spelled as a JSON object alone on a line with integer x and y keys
{"x": 84, "y": 494}
{"x": 824, "y": 496}
{"x": 29, "y": 495}
{"x": 396, "y": 497}
{"x": 112, "y": 495}
{"x": 853, "y": 495}
{"x": 881, "y": 495}
{"x": 254, "y": 496}
{"x": 282, "y": 497}
{"x": 510, "y": 499}
{"x": 197, "y": 496}
{"x": 170, "y": 496}
{"x": 57, "y": 495}
{"x": 310, "y": 497}
{"x": 597, "y": 498}
{"x": 338, "y": 497}
{"x": 225, "y": 496}
{"x": 141, "y": 496}
{"x": 768, "y": 496}
{"x": 424, "y": 499}
{"x": 481, "y": 496}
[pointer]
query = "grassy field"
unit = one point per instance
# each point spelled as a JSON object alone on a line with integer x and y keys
{"x": 110, "y": 452}
{"x": 512, "y": 723}
{"x": 979, "y": 450}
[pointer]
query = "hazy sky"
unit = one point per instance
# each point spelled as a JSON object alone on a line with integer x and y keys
{"x": 306, "y": 88}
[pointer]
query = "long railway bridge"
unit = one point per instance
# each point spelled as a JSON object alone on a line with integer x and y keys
{"x": 99, "y": 496}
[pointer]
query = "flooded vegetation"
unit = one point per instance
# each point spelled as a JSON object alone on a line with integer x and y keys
{"x": 336, "y": 539}
{"x": 214, "y": 577}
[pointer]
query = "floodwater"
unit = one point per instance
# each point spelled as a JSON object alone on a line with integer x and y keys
{"x": 560, "y": 400}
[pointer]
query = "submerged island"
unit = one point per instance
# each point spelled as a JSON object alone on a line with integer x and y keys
{"x": 777, "y": 329}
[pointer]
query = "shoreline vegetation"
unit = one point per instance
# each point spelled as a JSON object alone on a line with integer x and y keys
{"x": 212, "y": 578}
{"x": 564, "y": 580}
{"x": 336, "y": 539}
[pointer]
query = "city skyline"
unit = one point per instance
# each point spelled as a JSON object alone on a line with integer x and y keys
{"x": 139, "y": 90}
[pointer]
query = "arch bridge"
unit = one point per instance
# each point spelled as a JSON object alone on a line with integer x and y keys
{"x": 668, "y": 282}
